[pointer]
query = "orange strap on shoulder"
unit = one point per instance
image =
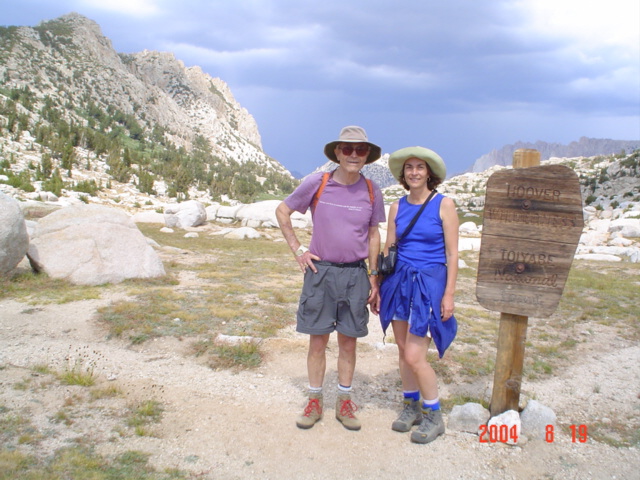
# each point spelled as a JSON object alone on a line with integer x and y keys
{"x": 316, "y": 197}
{"x": 323, "y": 183}
{"x": 370, "y": 187}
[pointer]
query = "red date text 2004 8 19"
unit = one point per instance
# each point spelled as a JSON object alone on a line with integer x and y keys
{"x": 503, "y": 433}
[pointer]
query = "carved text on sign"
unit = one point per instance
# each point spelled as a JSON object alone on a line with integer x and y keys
{"x": 515, "y": 256}
{"x": 531, "y": 218}
{"x": 524, "y": 191}
{"x": 507, "y": 277}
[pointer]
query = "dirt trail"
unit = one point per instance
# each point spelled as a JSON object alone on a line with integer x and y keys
{"x": 226, "y": 425}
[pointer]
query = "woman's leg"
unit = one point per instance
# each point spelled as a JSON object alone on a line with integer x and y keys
{"x": 432, "y": 424}
{"x": 415, "y": 357}
{"x": 411, "y": 413}
{"x": 400, "y": 332}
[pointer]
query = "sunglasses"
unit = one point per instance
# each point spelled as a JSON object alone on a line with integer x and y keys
{"x": 361, "y": 150}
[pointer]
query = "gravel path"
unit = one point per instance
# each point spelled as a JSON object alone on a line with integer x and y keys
{"x": 225, "y": 425}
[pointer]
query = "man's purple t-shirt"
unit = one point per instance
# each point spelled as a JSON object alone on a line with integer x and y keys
{"x": 341, "y": 219}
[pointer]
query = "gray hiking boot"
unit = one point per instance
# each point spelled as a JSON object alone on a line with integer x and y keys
{"x": 312, "y": 412}
{"x": 430, "y": 428}
{"x": 345, "y": 412}
{"x": 411, "y": 415}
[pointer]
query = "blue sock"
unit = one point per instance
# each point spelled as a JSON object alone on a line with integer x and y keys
{"x": 415, "y": 396}
{"x": 432, "y": 404}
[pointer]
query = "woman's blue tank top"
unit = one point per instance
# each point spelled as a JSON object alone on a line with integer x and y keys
{"x": 424, "y": 245}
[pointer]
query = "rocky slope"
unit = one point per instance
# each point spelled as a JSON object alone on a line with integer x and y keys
{"x": 67, "y": 62}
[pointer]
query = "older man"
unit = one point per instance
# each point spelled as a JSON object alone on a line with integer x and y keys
{"x": 346, "y": 210}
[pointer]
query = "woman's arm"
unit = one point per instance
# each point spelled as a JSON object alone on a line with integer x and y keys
{"x": 450, "y": 226}
{"x": 391, "y": 227}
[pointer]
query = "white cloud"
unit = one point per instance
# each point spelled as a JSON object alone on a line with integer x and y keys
{"x": 304, "y": 33}
{"x": 397, "y": 76}
{"x": 136, "y": 8}
{"x": 592, "y": 23}
{"x": 209, "y": 56}
{"x": 613, "y": 83}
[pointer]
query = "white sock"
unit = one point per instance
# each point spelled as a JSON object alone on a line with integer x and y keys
{"x": 432, "y": 404}
{"x": 344, "y": 390}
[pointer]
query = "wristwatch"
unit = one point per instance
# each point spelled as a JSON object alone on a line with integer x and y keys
{"x": 373, "y": 272}
{"x": 300, "y": 251}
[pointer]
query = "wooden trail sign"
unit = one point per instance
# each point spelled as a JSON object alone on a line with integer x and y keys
{"x": 532, "y": 225}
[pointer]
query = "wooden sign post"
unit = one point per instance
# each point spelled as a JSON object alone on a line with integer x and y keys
{"x": 532, "y": 225}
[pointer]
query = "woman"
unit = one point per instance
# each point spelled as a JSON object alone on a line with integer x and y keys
{"x": 417, "y": 299}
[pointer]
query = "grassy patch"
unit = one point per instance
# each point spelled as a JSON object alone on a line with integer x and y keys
{"x": 244, "y": 288}
{"x": 615, "y": 432}
{"x": 611, "y": 290}
{"x": 39, "y": 289}
{"x": 61, "y": 416}
{"x": 454, "y": 400}
{"x": 19, "y": 435}
{"x": 240, "y": 356}
{"x": 473, "y": 363}
{"x": 110, "y": 391}
{"x": 443, "y": 370}
{"x": 599, "y": 292}
{"x": 143, "y": 415}
{"x": 43, "y": 369}
{"x": 13, "y": 428}
{"x": 80, "y": 368}
{"x": 80, "y": 463}
{"x": 78, "y": 376}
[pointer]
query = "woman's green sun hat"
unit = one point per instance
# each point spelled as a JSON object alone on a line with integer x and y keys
{"x": 433, "y": 160}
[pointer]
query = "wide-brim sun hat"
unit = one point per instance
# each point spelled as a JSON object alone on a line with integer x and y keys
{"x": 352, "y": 134}
{"x": 432, "y": 159}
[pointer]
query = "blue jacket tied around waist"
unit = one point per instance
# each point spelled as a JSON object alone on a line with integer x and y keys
{"x": 418, "y": 293}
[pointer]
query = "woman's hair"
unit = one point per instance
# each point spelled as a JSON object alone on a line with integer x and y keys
{"x": 432, "y": 180}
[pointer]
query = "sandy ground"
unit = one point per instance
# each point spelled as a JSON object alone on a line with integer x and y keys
{"x": 225, "y": 425}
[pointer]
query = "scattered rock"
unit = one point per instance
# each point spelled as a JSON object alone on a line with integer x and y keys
{"x": 92, "y": 245}
{"x": 186, "y": 214}
{"x": 14, "y": 240}
{"x": 628, "y": 227}
{"x": 506, "y": 426}
{"x": 468, "y": 417}
{"x": 236, "y": 339}
{"x": 535, "y": 418}
{"x": 243, "y": 233}
{"x": 468, "y": 228}
{"x": 149, "y": 217}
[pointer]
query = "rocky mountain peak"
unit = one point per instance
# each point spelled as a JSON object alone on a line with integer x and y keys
{"x": 584, "y": 147}
{"x": 70, "y": 60}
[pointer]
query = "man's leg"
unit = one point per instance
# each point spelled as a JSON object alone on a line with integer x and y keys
{"x": 346, "y": 359}
{"x": 345, "y": 408}
{"x": 317, "y": 359}
{"x": 316, "y": 366}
